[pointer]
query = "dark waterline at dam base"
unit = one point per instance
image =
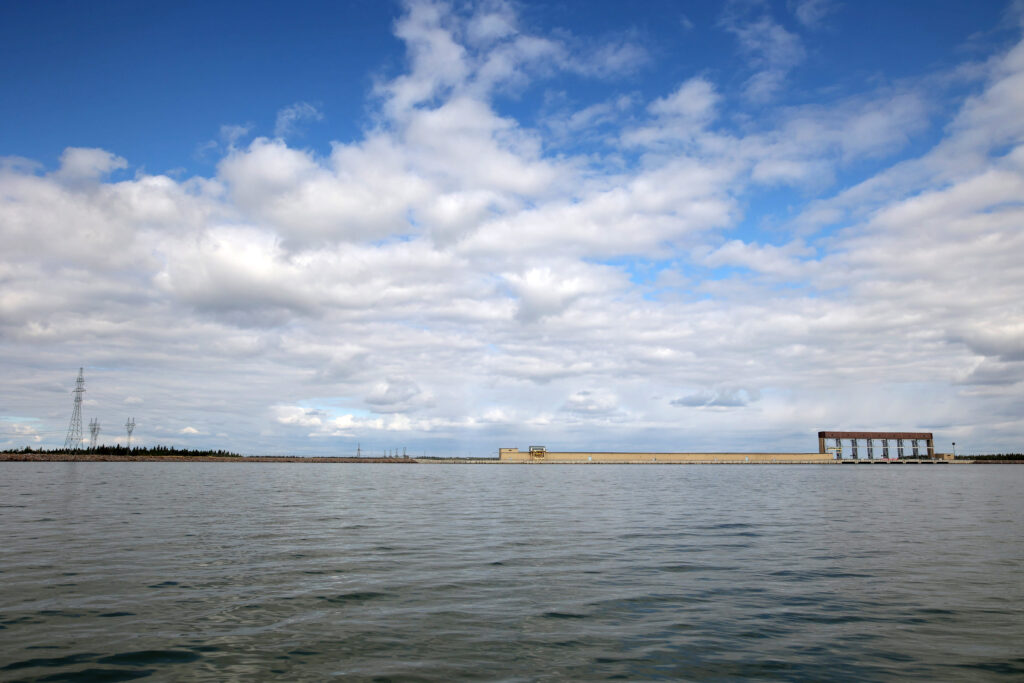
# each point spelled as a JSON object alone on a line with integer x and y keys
{"x": 215, "y": 571}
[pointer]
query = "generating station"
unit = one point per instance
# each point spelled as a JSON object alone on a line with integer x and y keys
{"x": 860, "y": 448}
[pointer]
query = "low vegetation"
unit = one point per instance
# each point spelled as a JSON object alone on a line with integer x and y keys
{"x": 149, "y": 451}
{"x": 993, "y": 457}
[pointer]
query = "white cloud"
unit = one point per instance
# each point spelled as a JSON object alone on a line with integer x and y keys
{"x": 360, "y": 193}
{"x": 294, "y": 415}
{"x": 783, "y": 262}
{"x": 571, "y": 125}
{"x": 231, "y": 134}
{"x": 613, "y": 59}
{"x": 598, "y": 402}
{"x": 694, "y": 100}
{"x": 721, "y": 399}
{"x": 811, "y": 13}
{"x": 13, "y": 434}
{"x": 772, "y": 51}
{"x": 84, "y": 165}
{"x": 437, "y": 61}
{"x": 397, "y": 395}
{"x": 546, "y": 291}
{"x": 494, "y": 23}
{"x": 286, "y": 125}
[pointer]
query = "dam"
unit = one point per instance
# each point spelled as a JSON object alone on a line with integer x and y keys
{"x": 539, "y": 454}
{"x": 830, "y": 451}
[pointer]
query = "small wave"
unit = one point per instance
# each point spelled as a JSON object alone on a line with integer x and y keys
{"x": 353, "y": 597}
{"x": 50, "y": 661}
{"x": 679, "y": 568}
{"x": 21, "y": 620}
{"x": 144, "y": 657}
{"x": 1010, "y": 667}
{"x": 101, "y": 675}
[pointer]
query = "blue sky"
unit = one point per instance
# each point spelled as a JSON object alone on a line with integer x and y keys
{"x": 157, "y": 80}
{"x": 668, "y": 225}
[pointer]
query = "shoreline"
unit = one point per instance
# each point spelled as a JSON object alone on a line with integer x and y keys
{"x": 95, "y": 457}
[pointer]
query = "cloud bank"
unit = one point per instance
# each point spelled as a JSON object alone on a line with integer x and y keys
{"x": 455, "y": 280}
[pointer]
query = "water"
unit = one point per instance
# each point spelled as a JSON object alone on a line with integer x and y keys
{"x": 212, "y": 571}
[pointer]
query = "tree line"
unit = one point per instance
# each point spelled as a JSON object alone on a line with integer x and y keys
{"x": 158, "y": 451}
{"x": 993, "y": 457}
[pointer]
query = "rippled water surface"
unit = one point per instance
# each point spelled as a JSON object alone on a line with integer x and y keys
{"x": 212, "y": 571}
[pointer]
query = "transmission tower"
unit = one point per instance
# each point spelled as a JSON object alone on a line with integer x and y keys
{"x": 130, "y": 426}
{"x": 73, "y": 441}
{"x": 94, "y": 431}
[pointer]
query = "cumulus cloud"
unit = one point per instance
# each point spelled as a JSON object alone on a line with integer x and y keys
{"x": 546, "y": 291}
{"x": 785, "y": 262}
{"x": 82, "y": 165}
{"x": 695, "y": 100}
{"x": 495, "y": 22}
{"x": 437, "y": 61}
{"x": 236, "y": 270}
{"x": 14, "y": 434}
{"x": 597, "y": 402}
{"x": 496, "y": 54}
{"x": 1004, "y": 341}
{"x": 397, "y": 395}
{"x": 295, "y": 415}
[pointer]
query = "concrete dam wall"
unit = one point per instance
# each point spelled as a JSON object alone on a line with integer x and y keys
{"x": 512, "y": 455}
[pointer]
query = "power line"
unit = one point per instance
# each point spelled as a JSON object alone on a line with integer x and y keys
{"x": 44, "y": 433}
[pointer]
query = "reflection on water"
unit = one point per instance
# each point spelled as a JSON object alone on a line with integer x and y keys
{"x": 210, "y": 571}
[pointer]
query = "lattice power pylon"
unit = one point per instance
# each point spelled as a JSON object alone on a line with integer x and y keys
{"x": 130, "y": 426}
{"x": 94, "y": 432}
{"x": 73, "y": 441}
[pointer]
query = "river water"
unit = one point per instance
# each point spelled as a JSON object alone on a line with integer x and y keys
{"x": 214, "y": 571}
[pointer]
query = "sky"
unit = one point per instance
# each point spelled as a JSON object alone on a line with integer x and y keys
{"x": 449, "y": 227}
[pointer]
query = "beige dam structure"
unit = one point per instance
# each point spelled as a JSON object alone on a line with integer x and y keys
{"x": 831, "y": 450}
{"x": 539, "y": 454}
